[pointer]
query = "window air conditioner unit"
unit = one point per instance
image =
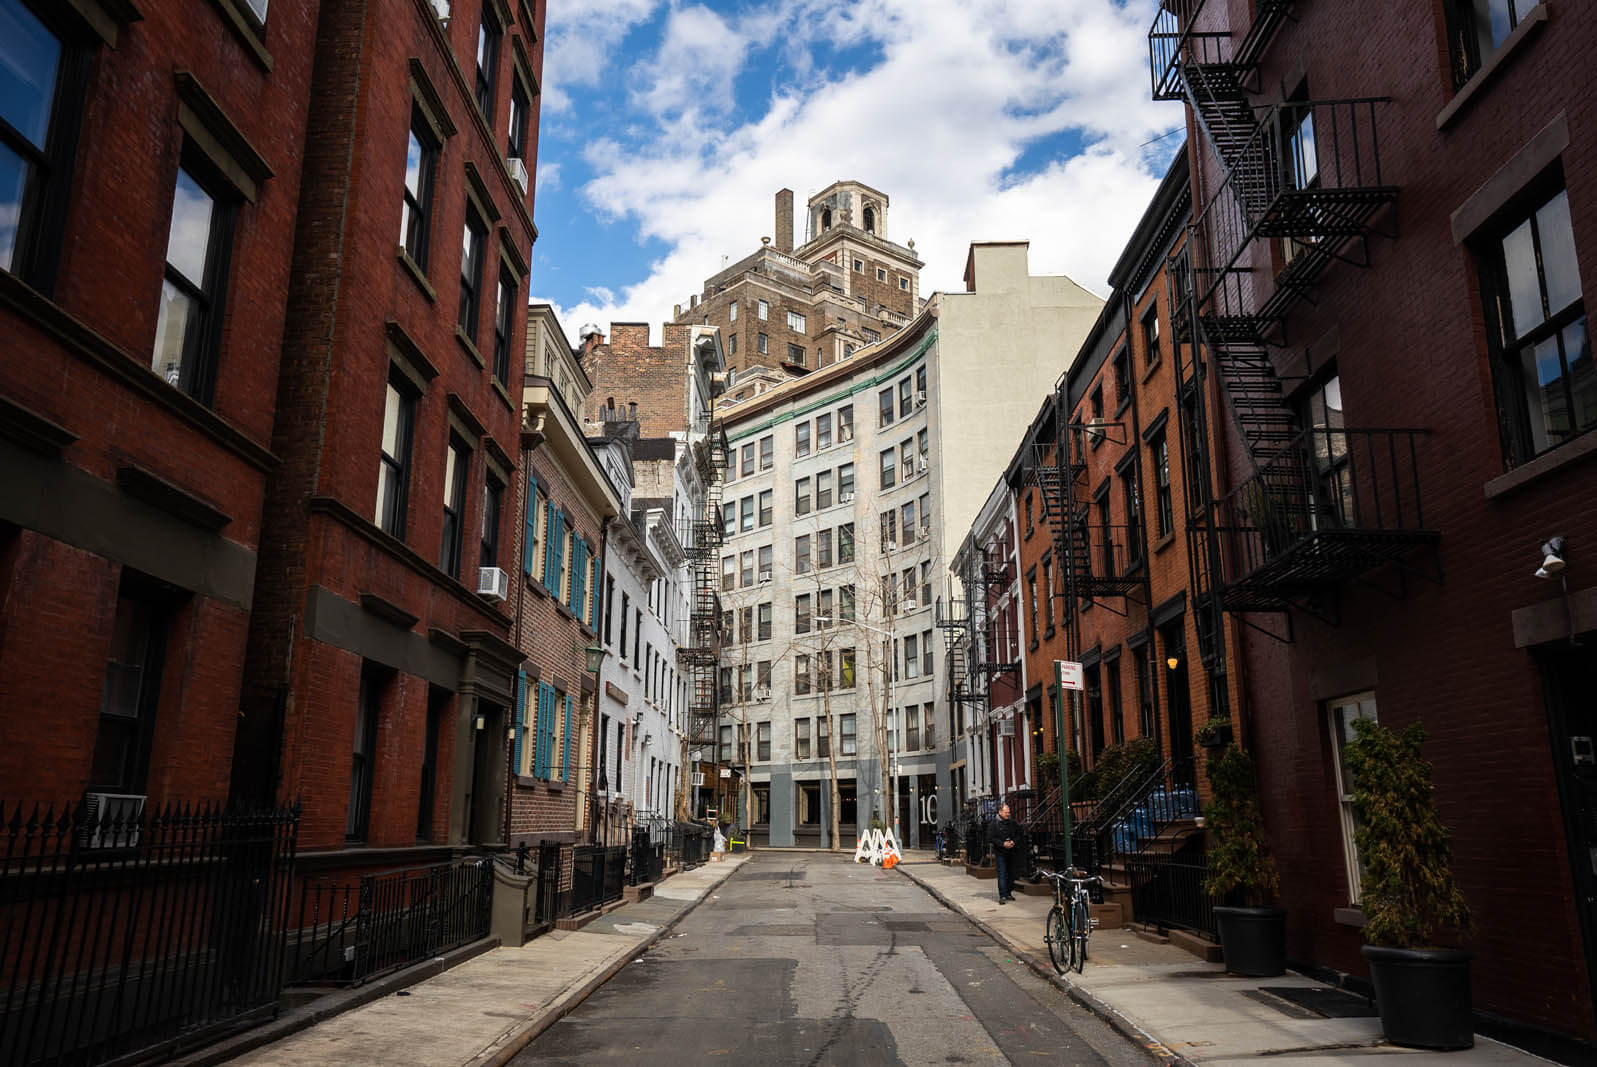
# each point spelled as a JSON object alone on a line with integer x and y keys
{"x": 762, "y": 694}
{"x": 1006, "y": 728}
{"x": 1095, "y": 429}
{"x": 920, "y": 465}
{"x": 909, "y": 606}
{"x": 920, "y": 399}
{"x": 493, "y": 583}
{"x": 765, "y": 577}
{"x": 845, "y": 498}
{"x": 111, "y": 820}
{"x": 518, "y": 172}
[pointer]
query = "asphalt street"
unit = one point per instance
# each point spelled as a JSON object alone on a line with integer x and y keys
{"x": 804, "y": 958}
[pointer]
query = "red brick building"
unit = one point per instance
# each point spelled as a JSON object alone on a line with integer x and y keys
{"x": 1393, "y": 301}
{"x": 380, "y": 672}
{"x": 159, "y": 154}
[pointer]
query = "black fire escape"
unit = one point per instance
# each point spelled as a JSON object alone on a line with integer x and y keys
{"x": 703, "y": 652}
{"x": 1301, "y": 188}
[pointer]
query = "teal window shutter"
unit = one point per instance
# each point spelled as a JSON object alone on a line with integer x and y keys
{"x": 557, "y": 540}
{"x": 548, "y": 544}
{"x": 565, "y": 744}
{"x": 532, "y": 525}
{"x": 521, "y": 719}
{"x": 598, "y": 588}
{"x": 540, "y": 750}
{"x": 548, "y": 731}
{"x": 579, "y": 575}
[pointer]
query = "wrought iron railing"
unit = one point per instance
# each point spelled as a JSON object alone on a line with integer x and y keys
{"x": 126, "y": 931}
{"x": 648, "y": 858}
{"x": 598, "y": 874}
{"x": 1331, "y": 505}
{"x": 543, "y": 864}
{"x": 1168, "y": 890}
{"x": 353, "y": 932}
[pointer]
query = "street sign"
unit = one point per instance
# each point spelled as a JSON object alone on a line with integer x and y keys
{"x": 1070, "y": 674}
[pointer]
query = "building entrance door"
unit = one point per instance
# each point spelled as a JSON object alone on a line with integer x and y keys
{"x": 1178, "y": 704}
{"x": 1569, "y": 678}
{"x": 488, "y": 776}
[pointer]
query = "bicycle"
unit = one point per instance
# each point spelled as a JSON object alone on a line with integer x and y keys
{"x": 1070, "y": 920}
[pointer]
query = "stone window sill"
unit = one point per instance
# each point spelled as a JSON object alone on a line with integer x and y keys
{"x": 1512, "y": 45}
{"x": 1543, "y": 465}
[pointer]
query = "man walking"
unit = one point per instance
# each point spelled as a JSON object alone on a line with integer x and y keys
{"x": 1004, "y": 836}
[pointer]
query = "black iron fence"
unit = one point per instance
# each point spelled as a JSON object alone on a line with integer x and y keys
{"x": 348, "y": 934}
{"x": 689, "y": 842}
{"x": 648, "y": 857}
{"x": 543, "y": 864}
{"x": 1167, "y": 890}
{"x": 126, "y": 931}
{"x": 598, "y": 874}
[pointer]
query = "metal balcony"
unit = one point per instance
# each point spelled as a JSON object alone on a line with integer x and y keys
{"x": 1329, "y": 508}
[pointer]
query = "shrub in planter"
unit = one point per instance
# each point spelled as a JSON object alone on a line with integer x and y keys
{"x": 1216, "y": 733}
{"x": 1048, "y": 770}
{"x": 1241, "y": 869}
{"x": 1408, "y": 893}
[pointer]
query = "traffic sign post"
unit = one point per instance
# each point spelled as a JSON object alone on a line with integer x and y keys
{"x": 1065, "y": 672}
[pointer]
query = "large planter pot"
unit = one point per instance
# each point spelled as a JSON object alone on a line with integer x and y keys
{"x": 1422, "y": 995}
{"x": 1254, "y": 940}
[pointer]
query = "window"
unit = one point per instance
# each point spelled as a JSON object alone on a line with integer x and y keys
{"x": 845, "y": 424}
{"x": 801, "y": 613}
{"x": 492, "y": 497}
{"x": 1332, "y": 502}
{"x": 845, "y": 603}
{"x": 911, "y": 728}
{"x": 393, "y": 473}
{"x": 823, "y": 549}
{"x": 34, "y": 166}
{"x": 911, "y": 657}
{"x": 1031, "y": 601}
{"x": 823, "y": 610}
{"x": 762, "y": 344}
{"x": 1478, "y": 28}
{"x": 881, "y": 274}
{"x": 823, "y": 739}
{"x": 1342, "y": 714}
{"x": 746, "y": 569}
{"x": 906, "y": 398}
{"x": 767, "y": 496}
{"x": 926, "y": 584}
{"x": 889, "y": 529}
{"x": 746, "y": 516}
{"x": 726, "y": 686}
{"x": 927, "y": 660}
{"x": 748, "y": 459}
{"x": 516, "y": 138}
{"x": 1117, "y": 723}
{"x": 763, "y": 735}
{"x": 801, "y": 497}
{"x": 859, "y": 266}
{"x": 765, "y": 563}
{"x": 131, "y": 693}
{"x": 537, "y": 529}
{"x": 1164, "y": 514}
{"x": 729, "y": 518}
{"x": 504, "y": 324}
{"x": 764, "y": 631}
{"x": 1096, "y": 401}
{"x": 1546, "y": 386}
{"x": 729, "y": 571}
{"x": 801, "y": 438}
{"x": 767, "y": 452}
{"x": 889, "y": 469}
{"x": 823, "y": 490}
{"x": 823, "y": 432}
{"x": 909, "y": 589}
{"x": 732, "y": 348}
{"x": 845, "y": 483}
{"x": 845, "y": 732}
{"x": 801, "y": 675}
{"x": 1150, "y": 334}
{"x": 764, "y": 311}
{"x": 884, "y": 415}
{"x": 471, "y": 244}
{"x": 845, "y": 668}
{"x": 726, "y": 744}
{"x": 363, "y": 752}
{"x": 1106, "y": 546}
{"x": 188, "y": 329}
{"x": 1132, "y": 503}
{"x": 801, "y": 738}
{"x": 457, "y": 463}
{"x": 871, "y": 336}
{"x": 795, "y": 354}
{"x": 1047, "y": 591}
{"x": 801, "y": 554}
{"x": 903, "y": 283}
{"x": 487, "y": 62}
{"x": 845, "y": 543}
{"x": 906, "y": 515}
{"x": 906, "y": 458}
{"x": 1122, "y": 375}
{"x": 795, "y": 322}
{"x": 732, "y": 311}
{"x": 437, "y": 707}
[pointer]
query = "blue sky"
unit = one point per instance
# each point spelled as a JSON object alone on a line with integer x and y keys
{"x": 668, "y": 126}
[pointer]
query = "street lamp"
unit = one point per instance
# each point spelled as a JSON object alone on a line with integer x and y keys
{"x": 593, "y": 660}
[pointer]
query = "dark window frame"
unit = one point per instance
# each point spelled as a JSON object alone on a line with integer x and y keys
{"x": 416, "y": 215}
{"x": 473, "y": 250}
{"x": 454, "y": 526}
{"x": 489, "y": 37}
{"x": 392, "y": 512}
{"x": 202, "y": 341}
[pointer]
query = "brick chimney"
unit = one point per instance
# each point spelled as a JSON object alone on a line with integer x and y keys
{"x": 784, "y": 220}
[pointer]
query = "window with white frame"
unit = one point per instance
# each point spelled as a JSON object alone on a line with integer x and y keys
{"x": 1341, "y": 714}
{"x": 795, "y": 321}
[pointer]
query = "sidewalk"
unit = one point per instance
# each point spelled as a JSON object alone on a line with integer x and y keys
{"x": 1175, "y": 1005}
{"x": 484, "y": 1011}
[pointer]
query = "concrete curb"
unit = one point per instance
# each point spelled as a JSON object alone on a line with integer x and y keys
{"x": 330, "y": 1006}
{"x": 1114, "y": 1017}
{"x": 524, "y": 1034}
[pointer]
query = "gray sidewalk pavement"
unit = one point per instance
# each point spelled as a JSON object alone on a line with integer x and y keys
{"x": 485, "y": 1010}
{"x": 1175, "y": 1005}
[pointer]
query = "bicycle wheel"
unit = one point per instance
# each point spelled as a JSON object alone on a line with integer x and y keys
{"x": 1057, "y": 934}
{"x": 1083, "y": 927}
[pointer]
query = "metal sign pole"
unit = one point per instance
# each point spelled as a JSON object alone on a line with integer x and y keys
{"x": 1064, "y": 763}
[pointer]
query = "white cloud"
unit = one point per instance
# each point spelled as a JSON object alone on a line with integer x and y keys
{"x": 957, "y": 92}
{"x": 582, "y": 39}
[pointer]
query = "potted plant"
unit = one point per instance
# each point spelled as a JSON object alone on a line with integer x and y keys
{"x": 1048, "y": 770}
{"x": 1408, "y": 893}
{"x": 1241, "y": 869}
{"x": 1214, "y": 734}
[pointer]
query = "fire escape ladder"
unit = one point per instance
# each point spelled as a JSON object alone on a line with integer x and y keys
{"x": 704, "y": 615}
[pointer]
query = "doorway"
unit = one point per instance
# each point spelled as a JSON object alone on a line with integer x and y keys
{"x": 488, "y": 774}
{"x": 1178, "y": 703}
{"x": 1569, "y": 678}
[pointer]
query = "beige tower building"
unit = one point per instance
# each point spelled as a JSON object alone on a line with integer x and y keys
{"x": 794, "y": 310}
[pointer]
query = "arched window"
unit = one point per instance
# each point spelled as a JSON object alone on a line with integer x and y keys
{"x": 870, "y": 220}
{"x": 826, "y": 218}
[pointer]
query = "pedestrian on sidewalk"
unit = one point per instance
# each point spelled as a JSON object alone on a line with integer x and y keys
{"x": 1004, "y": 836}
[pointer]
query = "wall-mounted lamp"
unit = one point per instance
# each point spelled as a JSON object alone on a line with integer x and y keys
{"x": 594, "y": 655}
{"x": 479, "y": 722}
{"x": 1173, "y": 662}
{"x": 637, "y": 717}
{"x": 1552, "y": 558}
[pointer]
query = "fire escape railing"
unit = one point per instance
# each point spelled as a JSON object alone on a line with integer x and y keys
{"x": 704, "y": 614}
